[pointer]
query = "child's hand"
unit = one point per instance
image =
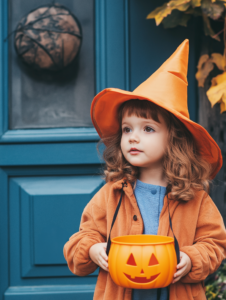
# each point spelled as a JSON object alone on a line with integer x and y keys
{"x": 97, "y": 253}
{"x": 183, "y": 267}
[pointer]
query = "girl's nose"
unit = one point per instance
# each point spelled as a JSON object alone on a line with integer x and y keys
{"x": 134, "y": 139}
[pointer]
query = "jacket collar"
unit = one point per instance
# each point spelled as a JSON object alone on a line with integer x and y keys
{"x": 127, "y": 187}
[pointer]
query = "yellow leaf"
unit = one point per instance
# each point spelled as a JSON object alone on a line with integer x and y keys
{"x": 219, "y": 60}
{"x": 160, "y": 13}
{"x": 175, "y": 3}
{"x": 202, "y": 60}
{"x": 163, "y": 11}
{"x": 181, "y": 5}
{"x": 223, "y": 107}
{"x": 205, "y": 66}
{"x": 153, "y": 14}
{"x": 213, "y": 294}
{"x": 217, "y": 91}
{"x": 196, "y": 3}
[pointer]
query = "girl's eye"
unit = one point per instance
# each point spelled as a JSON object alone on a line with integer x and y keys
{"x": 126, "y": 129}
{"x": 148, "y": 129}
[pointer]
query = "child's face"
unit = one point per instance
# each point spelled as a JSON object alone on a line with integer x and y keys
{"x": 143, "y": 141}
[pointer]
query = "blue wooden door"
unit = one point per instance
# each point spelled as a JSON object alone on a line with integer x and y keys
{"x": 47, "y": 176}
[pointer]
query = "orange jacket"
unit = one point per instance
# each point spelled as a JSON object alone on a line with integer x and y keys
{"x": 197, "y": 224}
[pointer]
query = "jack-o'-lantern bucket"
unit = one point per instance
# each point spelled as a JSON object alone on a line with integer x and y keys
{"x": 142, "y": 261}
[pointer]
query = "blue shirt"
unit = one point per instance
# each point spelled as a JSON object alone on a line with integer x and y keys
{"x": 150, "y": 202}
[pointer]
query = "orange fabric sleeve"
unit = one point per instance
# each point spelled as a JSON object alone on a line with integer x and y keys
{"x": 209, "y": 248}
{"x": 92, "y": 230}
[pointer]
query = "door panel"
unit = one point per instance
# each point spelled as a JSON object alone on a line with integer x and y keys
{"x": 49, "y": 154}
{"x": 43, "y": 211}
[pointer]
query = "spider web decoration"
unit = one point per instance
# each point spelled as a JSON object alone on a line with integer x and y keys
{"x": 49, "y": 37}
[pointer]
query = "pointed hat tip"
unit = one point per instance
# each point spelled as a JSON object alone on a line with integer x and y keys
{"x": 181, "y": 55}
{"x": 185, "y": 48}
{"x": 178, "y": 61}
{"x": 185, "y": 43}
{"x": 174, "y": 61}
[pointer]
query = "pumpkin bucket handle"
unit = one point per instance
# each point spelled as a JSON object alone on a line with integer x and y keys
{"x": 114, "y": 218}
{"x": 176, "y": 244}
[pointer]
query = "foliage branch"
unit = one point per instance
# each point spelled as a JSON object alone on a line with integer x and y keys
{"x": 216, "y": 288}
{"x": 178, "y": 12}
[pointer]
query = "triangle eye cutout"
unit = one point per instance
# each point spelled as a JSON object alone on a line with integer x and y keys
{"x": 153, "y": 260}
{"x": 131, "y": 260}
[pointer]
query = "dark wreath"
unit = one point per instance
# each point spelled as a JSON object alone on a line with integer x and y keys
{"x": 49, "y": 37}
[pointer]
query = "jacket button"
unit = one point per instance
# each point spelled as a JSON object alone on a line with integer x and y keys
{"x": 135, "y": 218}
{"x": 153, "y": 192}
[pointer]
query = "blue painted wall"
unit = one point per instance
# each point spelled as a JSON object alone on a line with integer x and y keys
{"x": 47, "y": 176}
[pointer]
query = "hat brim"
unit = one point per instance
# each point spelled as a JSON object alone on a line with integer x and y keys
{"x": 108, "y": 101}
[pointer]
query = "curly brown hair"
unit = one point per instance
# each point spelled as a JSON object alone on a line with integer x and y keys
{"x": 184, "y": 168}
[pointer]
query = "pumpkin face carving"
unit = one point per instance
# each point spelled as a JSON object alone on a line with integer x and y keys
{"x": 142, "y": 261}
{"x": 142, "y": 279}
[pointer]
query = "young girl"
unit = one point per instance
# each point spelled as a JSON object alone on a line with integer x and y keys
{"x": 153, "y": 149}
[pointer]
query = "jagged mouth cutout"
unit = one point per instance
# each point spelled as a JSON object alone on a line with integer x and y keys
{"x": 141, "y": 279}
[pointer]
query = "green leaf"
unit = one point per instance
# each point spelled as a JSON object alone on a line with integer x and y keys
{"x": 212, "y": 10}
{"x": 216, "y": 288}
{"x": 176, "y": 18}
{"x": 184, "y": 20}
{"x": 196, "y": 12}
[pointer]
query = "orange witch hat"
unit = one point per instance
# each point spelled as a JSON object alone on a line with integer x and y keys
{"x": 166, "y": 87}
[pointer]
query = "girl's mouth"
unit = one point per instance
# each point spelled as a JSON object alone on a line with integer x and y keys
{"x": 134, "y": 151}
